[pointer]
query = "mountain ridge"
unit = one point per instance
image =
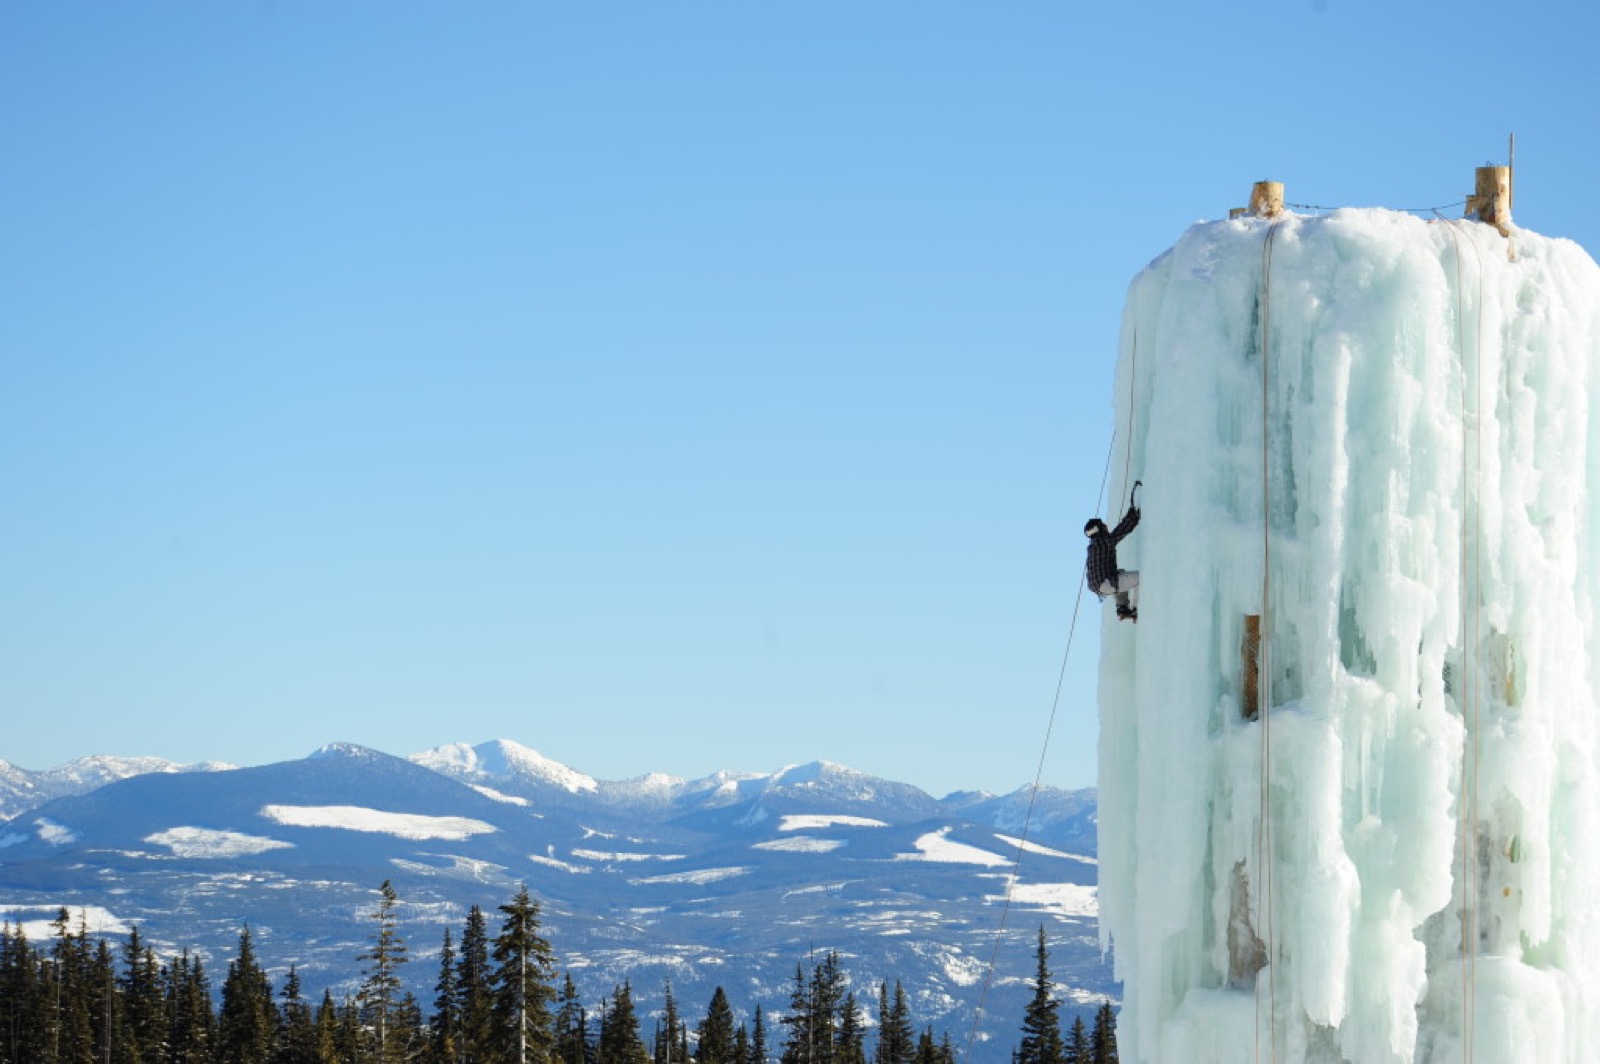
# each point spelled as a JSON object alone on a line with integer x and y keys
{"x": 727, "y": 880}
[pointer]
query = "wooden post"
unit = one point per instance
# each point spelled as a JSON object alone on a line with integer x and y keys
{"x": 1490, "y": 201}
{"x": 1266, "y": 199}
{"x": 1250, "y": 669}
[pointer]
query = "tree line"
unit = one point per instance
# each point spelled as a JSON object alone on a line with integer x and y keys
{"x": 496, "y": 999}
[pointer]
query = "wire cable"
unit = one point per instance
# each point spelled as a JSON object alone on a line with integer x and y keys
{"x": 1403, "y": 210}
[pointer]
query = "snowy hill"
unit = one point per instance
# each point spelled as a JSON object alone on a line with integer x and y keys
{"x": 731, "y": 880}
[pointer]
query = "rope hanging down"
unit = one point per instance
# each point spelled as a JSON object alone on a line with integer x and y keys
{"x": 1127, "y": 461}
{"x": 1264, "y": 843}
{"x": 1033, "y": 794}
{"x": 1469, "y": 687}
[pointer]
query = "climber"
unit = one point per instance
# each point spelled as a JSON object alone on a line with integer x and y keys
{"x": 1101, "y": 568}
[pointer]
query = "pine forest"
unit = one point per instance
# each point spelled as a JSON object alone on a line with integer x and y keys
{"x": 497, "y": 997}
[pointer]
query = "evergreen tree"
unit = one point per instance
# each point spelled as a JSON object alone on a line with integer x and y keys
{"x": 619, "y": 1031}
{"x": 105, "y": 1019}
{"x": 523, "y": 987}
{"x": 24, "y": 1020}
{"x": 247, "y": 1022}
{"x": 714, "y": 1038}
{"x": 444, "y": 1026}
{"x": 1077, "y": 1047}
{"x": 1103, "y": 1041}
{"x": 298, "y": 1041}
{"x": 896, "y": 1040}
{"x": 409, "y": 1034}
{"x": 191, "y": 1037}
{"x": 572, "y": 1025}
{"x": 71, "y": 1030}
{"x": 851, "y": 1035}
{"x": 328, "y": 1031}
{"x": 799, "y": 1044}
{"x": 380, "y": 991}
{"x": 143, "y": 1033}
{"x": 475, "y": 994}
{"x": 758, "y": 1039}
{"x": 352, "y": 1040}
{"x": 1041, "y": 1024}
{"x": 670, "y": 1036}
{"x": 816, "y": 1010}
{"x": 930, "y": 1052}
{"x": 742, "y": 1053}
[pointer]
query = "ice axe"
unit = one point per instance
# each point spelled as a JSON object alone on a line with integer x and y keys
{"x": 1133, "y": 502}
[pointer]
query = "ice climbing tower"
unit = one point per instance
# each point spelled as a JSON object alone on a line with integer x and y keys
{"x": 1349, "y": 763}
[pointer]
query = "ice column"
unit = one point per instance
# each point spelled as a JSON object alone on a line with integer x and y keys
{"x": 1374, "y": 433}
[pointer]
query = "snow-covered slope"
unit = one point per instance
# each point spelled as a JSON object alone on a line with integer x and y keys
{"x": 1378, "y": 435}
{"x": 732, "y": 880}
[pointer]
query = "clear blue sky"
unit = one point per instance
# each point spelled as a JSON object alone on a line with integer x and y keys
{"x": 666, "y": 386}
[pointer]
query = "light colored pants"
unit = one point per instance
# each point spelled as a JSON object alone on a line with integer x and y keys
{"x": 1127, "y": 581}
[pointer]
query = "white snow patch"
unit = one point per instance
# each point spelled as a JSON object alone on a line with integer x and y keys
{"x": 800, "y": 844}
{"x": 490, "y": 792}
{"x": 813, "y": 821}
{"x": 55, "y": 834}
{"x": 819, "y": 888}
{"x": 556, "y": 863}
{"x": 41, "y": 927}
{"x": 935, "y": 846}
{"x": 703, "y": 875}
{"x": 1033, "y": 847}
{"x": 1059, "y": 899}
{"x": 623, "y": 855}
{"x": 360, "y": 818}
{"x": 459, "y": 867}
{"x": 963, "y": 970}
{"x": 208, "y": 842}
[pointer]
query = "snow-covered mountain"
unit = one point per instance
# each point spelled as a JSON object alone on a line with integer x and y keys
{"x": 731, "y": 880}
{"x": 23, "y": 789}
{"x": 505, "y": 767}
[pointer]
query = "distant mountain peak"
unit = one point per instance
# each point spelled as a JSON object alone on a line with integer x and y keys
{"x": 352, "y": 751}
{"x": 22, "y": 789}
{"x": 501, "y": 760}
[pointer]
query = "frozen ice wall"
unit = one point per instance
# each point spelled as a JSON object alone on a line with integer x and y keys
{"x": 1374, "y": 433}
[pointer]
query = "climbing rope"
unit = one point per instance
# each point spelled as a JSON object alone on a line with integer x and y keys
{"x": 1033, "y": 795}
{"x": 1470, "y": 694}
{"x": 1133, "y": 383}
{"x": 1264, "y": 704}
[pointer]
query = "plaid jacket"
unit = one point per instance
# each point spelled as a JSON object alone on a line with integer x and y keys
{"x": 1102, "y": 563}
